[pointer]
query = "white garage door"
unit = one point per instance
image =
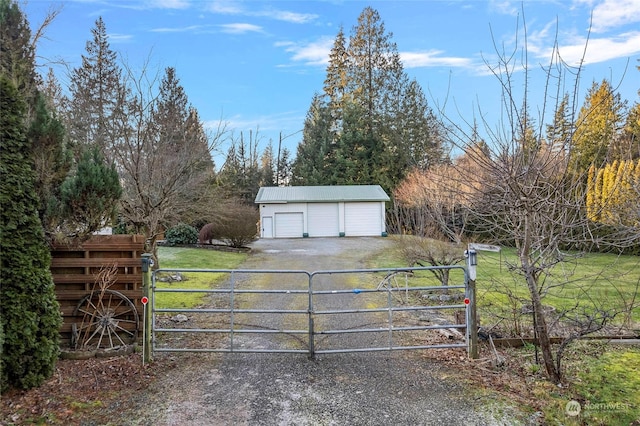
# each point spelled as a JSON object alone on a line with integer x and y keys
{"x": 323, "y": 220}
{"x": 289, "y": 225}
{"x": 362, "y": 219}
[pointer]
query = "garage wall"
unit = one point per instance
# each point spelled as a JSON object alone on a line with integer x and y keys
{"x": 295, "y": 220}
{"x": 288, "y": 220}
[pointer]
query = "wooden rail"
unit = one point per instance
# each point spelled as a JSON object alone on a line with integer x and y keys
{"x": 75, "y": 272}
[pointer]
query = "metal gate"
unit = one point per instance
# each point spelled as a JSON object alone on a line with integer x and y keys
{"x": 295, "y": 311}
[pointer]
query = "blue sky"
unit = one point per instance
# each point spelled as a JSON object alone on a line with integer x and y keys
{"x": 257, "y": 64}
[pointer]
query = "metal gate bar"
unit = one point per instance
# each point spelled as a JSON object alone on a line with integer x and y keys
{"x": 390, "y": 328}
{"x": 313, "y": 330}
{"x": 232, "y": 291}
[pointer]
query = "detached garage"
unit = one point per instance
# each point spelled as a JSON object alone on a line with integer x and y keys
{"x": 322, "y": 211}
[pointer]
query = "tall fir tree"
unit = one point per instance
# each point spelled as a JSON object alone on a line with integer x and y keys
{"x": 31, "y": 318}
{"x": 369, "y": 101}
{"x": 267, "y": 166}
{"x": 335, "y": 83}
{"x": 315, "y": 155}
{"x": 97, "y": 96}
{"x": 559, "y": 132}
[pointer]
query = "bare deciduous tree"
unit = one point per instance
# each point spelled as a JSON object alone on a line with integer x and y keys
{"x": 164, "y": 179}
{"x": 530, "y": 198}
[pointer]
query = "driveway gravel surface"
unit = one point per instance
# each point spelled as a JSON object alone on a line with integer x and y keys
{"x": 379, "y": 388}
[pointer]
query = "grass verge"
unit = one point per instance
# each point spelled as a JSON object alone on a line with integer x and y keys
{"x": 193, "y": 258}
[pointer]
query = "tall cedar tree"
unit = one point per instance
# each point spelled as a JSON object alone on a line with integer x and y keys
{"x": 31, "y": 317}
{"x": 97, "y": 96}
{"x": 17, "y": 53}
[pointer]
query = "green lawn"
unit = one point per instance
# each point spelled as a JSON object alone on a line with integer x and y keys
{"x": 596, "y": 281}
{"x": 603, "y": 379}
{"x": 193, "y": 258}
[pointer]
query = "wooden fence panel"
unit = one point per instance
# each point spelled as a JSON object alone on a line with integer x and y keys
{"x": 75, "y": 272}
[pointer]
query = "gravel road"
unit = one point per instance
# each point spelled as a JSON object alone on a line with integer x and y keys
{"x": 380, "y": 388}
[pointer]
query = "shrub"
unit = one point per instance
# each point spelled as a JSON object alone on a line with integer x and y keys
{"x": 207, "y": 233}
{"x": 31, "y": 319}
{"x": 238, "y": 228}
{"x": 181, "y": 234}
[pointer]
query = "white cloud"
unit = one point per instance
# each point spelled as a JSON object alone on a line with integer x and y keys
{"x": 225, "y": 7}
{"x": 432, "y": 58}
{"x": 504, "y": 7}
{"x": 282, "y": 15}
{"x": 240, "y": 28}
{"x": 599, "y": 49}
{"x": 169, "y": 4}
{"x": 235, "y": 8}
{"x": 189, "y": 28}
{"x": 313, "y": 53}
{"x": 120, "y": 38}
{"x": 614, "y": 13}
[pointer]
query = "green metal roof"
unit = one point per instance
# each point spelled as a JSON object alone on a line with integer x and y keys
{"x": 318, "y": 194}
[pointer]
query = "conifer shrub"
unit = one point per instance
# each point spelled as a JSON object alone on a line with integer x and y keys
{"x": 31, "y": 319}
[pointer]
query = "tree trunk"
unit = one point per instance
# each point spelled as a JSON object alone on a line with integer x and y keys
{"x": 542, "y": 330}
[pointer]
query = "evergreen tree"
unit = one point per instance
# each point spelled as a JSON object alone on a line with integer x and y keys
{"x": 416, "y": 132}
{"x": 240, "y": 175}
{"x": 630, "y": 141}
{"x": 315, "y": 155}
{"x": 395, "y": 130}
{"x": 559, "y": 131}
{"x": 17, "y": 53}
{"x": 97, "y": 96}
{"x": 31, "y": 317}
{"x": 89, "y": 197}
{"x": 284, "y": 168}
{"x": 52, "y": 163}
{"x": 335, "y": 84}
{"x": 597, "y": 127}
{"x": 267, "y": 162}
{"x": 375, "y": 72}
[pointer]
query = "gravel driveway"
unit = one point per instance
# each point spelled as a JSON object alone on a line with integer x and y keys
{"x": 380, "y": 388}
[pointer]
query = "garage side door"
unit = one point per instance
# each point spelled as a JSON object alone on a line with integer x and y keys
{"x": 323, "y": 220}
{"x": 362, "y": 219}
{"x": 289, "y": 225}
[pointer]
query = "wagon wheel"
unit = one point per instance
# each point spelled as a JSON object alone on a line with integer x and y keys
{"x": 109, "y": 320}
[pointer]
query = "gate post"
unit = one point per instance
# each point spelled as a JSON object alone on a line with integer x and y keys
{"x": 147, "y": 262}
{"x": 473, "y": 321}
{"x": 472, "y": 326}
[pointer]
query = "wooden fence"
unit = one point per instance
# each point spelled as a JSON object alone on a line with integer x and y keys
{"x": 76, "y": 272}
